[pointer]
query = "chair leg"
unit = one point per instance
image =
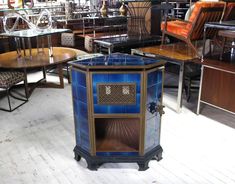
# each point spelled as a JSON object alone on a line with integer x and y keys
{"x": 189, "y": 90}
{"x": 185, "y": 88}
{"x": 222, "y": 50}
{"x": 68, "y": 74}
{"x": 8, "y": 94}
{"x": 193, "y": 47}
{"x": 8, "y": 99}
{"x": 26, "y": 89}
{"x": 163, "y": 38}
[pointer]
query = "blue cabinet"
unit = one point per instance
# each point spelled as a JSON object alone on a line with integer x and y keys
{"x": 117, "y": 102}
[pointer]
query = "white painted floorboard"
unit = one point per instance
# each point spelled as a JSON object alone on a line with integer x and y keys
{"x": 37, "y": 141}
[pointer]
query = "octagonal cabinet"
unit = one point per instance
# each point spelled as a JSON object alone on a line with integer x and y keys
{"x": 117, "y": 103}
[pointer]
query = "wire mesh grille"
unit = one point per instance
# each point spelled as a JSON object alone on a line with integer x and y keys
{"x": 117, "y": 94}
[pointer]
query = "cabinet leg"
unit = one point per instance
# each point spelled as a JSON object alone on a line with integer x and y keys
{"x": 143, "y": 165}
{"x": 92, "y": 165}
{"x": 159, "y": 156}
{"x": 77, "y": 157}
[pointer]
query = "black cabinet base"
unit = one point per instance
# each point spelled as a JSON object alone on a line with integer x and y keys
{"x": 93, "y": 162}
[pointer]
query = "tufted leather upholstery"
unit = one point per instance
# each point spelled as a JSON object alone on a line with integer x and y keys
{"x": 8, "y": 79}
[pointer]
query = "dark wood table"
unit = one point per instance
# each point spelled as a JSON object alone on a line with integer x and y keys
{"x": 178, "y": 54}
{"x": 124, "y": 41}
{"x": 61, "y": 56}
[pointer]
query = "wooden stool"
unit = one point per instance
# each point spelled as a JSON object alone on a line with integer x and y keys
{"x": 226, "y": 34}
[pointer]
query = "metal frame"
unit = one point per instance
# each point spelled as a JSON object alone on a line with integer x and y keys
{"x": 181, "y": 76}
{"x": 8, "y": 94}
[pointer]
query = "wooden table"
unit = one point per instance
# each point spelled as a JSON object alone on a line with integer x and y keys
{"x": 178, "y": 54}
{"x": 60, "y": 57}
{"x": 218, "y": 73}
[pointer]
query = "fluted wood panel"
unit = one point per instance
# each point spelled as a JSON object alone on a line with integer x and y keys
{"x": 117, "y": 134}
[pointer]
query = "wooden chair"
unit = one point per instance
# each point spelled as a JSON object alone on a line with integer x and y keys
{"x": 7, "y": 80}
{"x": 192, "y": 30}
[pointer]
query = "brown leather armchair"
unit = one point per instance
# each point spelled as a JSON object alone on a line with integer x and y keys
{"x": 192, "y": 30}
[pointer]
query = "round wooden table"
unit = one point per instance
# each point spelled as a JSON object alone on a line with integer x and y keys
{"x": 61, "y": 55}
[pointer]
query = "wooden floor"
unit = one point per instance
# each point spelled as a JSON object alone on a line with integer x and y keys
{"x": 36, "y": 143}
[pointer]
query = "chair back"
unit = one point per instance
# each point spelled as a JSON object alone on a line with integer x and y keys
{"x": 229, "y": 13}
{"x": 202, "y": 13}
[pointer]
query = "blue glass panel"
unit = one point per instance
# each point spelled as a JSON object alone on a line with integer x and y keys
{"x": 132, "y": 108}
{"x": 101, "y": 109}
{"x": 82, "y": 96}
{"x": 152, "y": 78}
{"x": 117, "y": 153}
{"x": 152, "y": 134}
{"x": 116, "y": 78}
{"x": 78, "y": 78}
{"x": 154, "y": 93}
{"x": 79, "y": 91}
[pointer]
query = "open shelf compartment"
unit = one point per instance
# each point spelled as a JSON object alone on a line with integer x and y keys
{"x": 117, "y": 134}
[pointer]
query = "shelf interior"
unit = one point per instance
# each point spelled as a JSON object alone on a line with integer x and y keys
{"x": 117, "y": 134}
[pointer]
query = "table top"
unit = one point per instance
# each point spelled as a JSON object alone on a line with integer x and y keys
{"x": 227, "y": 33}
{"x": 178, "y": 52}
{"x": 125, "y": 40}
{"x": 221, "y": 25}
{"x": 60, "y": 55}
{"x": 117, "y": 61}
{"x": 29, "y": 33}
{"x": 216, "y": 64}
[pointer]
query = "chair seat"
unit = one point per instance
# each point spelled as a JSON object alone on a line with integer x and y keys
{"x": 8, "y": 79}
{"x": 177, "y": 27}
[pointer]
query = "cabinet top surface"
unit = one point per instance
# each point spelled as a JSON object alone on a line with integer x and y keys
{"x": 28, "y": 33}
{"x": 118, "y": 61}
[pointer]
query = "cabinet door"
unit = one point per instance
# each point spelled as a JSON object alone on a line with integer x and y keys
{"x": 152, "y": 116}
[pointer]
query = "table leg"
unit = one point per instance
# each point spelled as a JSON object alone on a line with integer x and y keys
{"x": 18, "y": 47}
{"x": 23, "y": 45}
{"x": 30, "y": 47}
{"x": 50, "y": 46}
{"x": 222, "y": 50}
{"x": 180, "y": 88}
{"x": 204, "y": 43}
{"x": 61, "y": 76}
{"x": 26, "y": 84}
{"x": 44, "y": 72}
{"x": 110, "y": 49}
{"x": 200, "y": 92}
